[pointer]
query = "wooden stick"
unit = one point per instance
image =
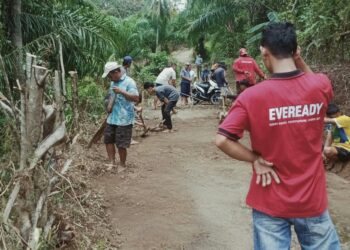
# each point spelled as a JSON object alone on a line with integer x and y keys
{"x": 62, "y": 69}
{"x": 97, "y": 136}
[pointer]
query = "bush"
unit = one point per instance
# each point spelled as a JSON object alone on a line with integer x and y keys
{"x": 7, "y": 141}
{"x": 91, "y": 97}
{"x": 153, "y": 65}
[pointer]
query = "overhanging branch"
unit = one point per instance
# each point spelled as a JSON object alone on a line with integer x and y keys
{"x": 47, "y": 143}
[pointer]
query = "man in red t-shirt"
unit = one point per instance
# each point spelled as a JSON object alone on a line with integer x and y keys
{"x": 244, "y": 68}
{"x": 284, "y": 116}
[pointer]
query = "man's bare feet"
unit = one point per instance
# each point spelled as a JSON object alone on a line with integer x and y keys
{"x": 121, "y": 167}
{"x": 111, "y": 166}
{"x": 133, "y": 142}
{"x": 167, "y": 131}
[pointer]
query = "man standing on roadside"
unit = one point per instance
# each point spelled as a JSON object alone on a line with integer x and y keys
{"x": 199, "y": 62}
{"x": 123, "y": 93}
{"x": 169, "y": 96}
{"x": 185, "y": 84}
{"x": 284, "y": 116}
{"x": 220, "y": 78}
{"x": 244, "y": 68}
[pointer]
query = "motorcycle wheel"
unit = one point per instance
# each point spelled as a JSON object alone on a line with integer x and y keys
{"x": 195, "y": 98}
{"x": 215, "y": 98}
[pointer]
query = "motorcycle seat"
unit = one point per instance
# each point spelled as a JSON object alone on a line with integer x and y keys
{"x": 204, "y": 85}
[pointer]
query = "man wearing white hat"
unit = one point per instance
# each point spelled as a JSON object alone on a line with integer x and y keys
{"x": 123, "y": 93}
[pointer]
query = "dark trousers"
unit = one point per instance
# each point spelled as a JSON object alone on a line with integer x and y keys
{"x": 199, "y": 72}
{"x": 166, "y": 109}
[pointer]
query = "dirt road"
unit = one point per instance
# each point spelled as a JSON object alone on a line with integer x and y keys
{"x": 180, "y": 192}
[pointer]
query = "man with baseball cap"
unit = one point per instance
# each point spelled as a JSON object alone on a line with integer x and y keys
{"x": 123, "y": 93}
{"x": 245, "y": 68}
{"x": 127, "y": 61}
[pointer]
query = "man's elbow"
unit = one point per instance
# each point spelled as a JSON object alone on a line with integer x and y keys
{"x": 135, "y": 98}
{"x": 220, "y": 141}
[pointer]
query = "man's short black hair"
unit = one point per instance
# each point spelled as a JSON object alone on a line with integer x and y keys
{"x": 332, "y": 109}
{"x": 148, "y": 85}
{"x": 280, "y": 39}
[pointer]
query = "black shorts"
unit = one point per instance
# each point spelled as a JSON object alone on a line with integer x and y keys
{"x": 118, "y": 135}
{"x": 343, "y": 154}
{"x": 185, "y": 88}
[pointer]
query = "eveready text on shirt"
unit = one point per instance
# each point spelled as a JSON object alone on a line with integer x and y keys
{"x": 297, "y": 111}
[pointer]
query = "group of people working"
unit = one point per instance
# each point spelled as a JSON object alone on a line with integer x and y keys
{"x": 285, "y": 116}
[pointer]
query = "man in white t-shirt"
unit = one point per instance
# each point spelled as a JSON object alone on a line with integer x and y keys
{"x": 166, "y": 77}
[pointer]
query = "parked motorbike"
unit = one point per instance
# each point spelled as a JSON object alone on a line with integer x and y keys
{"x": 206, "y": 91}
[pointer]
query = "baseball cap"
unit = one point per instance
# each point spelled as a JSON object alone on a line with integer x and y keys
{"x": 109, "y": 67}
{"x": 242, "y": 52}
{"x": 127, "y": 60}
{"x": 332, "y": 109}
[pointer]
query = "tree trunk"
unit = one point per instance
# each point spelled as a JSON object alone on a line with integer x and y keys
{"x": 16, "y": 36}
{"x": 157, "y": 40}
{"x": 75, "y": 101}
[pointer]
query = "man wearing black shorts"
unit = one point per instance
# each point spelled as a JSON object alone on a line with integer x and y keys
{"x": 123, "y": 93}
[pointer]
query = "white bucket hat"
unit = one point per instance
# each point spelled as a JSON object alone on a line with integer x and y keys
{"x": 109, "y": 67}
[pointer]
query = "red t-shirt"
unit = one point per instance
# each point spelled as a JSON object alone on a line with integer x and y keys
{"x": 284, "y": 116}
{"x": 246, "y": 63}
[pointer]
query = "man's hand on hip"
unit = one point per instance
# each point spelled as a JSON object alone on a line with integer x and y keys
{"x": 265, "y": 172}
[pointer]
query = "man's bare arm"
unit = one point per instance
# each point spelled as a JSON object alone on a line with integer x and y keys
{"x": 300, "y": 63}
{"x": 263, "y": 169}
{"x": 127, "y": 95}
{"x": 330, "y": 120}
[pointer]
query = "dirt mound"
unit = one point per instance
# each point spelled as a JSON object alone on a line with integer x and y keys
{"x": 340, "y": 76}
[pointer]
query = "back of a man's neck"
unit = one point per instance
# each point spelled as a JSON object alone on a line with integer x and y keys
{"x": 283, "y": 65}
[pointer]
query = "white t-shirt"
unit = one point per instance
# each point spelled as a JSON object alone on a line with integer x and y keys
{"x": 193, "y": 75}
{"x": 166, "y": 75}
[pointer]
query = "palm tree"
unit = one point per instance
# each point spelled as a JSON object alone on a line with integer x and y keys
{"x": 159, "y": 14}
{"x": 88, "y": 37}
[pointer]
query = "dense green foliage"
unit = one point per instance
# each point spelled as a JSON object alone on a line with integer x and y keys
{"x": 154, "y": 63}
{"x": 323, "y": 26}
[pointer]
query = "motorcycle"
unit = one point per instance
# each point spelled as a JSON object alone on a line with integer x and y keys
{"x": 206, "y": 91}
